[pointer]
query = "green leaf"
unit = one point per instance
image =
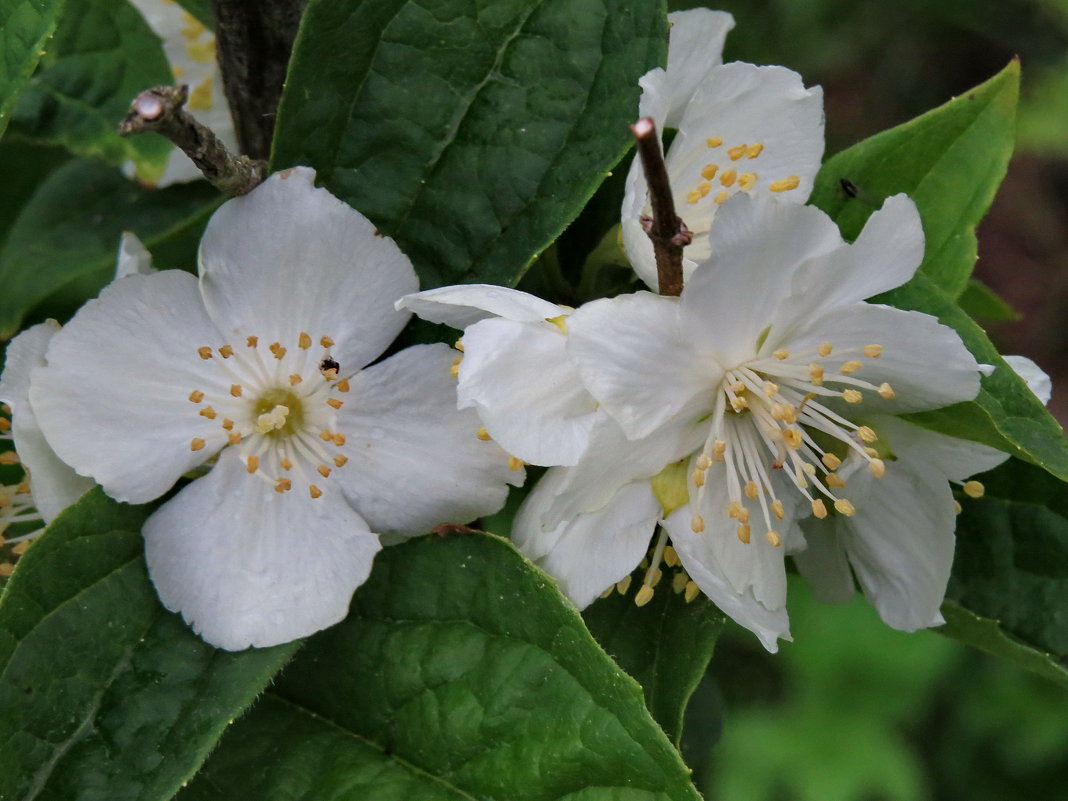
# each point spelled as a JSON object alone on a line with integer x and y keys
{"x": 25, "y": 28}
{"x": 1011, "y": 567}
{"x": 949, "y": 160}
{"x": 979, "y": 300}
{"x": 665, "y": 645}
{"x": 102, "y": 56}
{"x": 201, "y": 10}
{"x": 470, "y": 132}
{"x": 63, "y": 245}
{"x": 26, "y": 166}
{"x": 106, "y": 696}
{"x": 460, "y": 673}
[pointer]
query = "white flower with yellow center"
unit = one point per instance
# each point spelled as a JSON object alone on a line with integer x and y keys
{"x": 738, "y": 403}
{"x": 260, "y": 370}
{"x": 741, "y": 129}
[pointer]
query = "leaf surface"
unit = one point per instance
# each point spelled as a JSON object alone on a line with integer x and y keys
{"x": 25, "y": 28}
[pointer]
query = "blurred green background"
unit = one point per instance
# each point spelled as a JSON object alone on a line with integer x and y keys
{"x": 853, "y": 711}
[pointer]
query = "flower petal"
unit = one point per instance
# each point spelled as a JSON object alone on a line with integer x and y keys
{"x": 133, "y": 258}
{"x": 769, "y": 625}
{"x": 527, "y": 392}
{"x": 633, "y": 359}
{"x": 924, "y": 361}
{"x": 414, "y": 460}
{"x": 824, "y": 563}
{"x": 1034, "y": 376}
{"x": 248, "y": 566}
{"x": 289, "y": 258}
{"x": 591, "y": 551}
{"x": 956, "y": 459}
{"x": 55, "y": 485}
{"x": 465, "y": 304}
{"x": 113, "y": 400}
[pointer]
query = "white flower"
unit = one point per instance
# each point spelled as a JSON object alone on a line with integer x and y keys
{"x": 190, "y": 49}
{"x": 261, "y": 369}
{"x": 739, "y": 401}
{"x": 741, "y": 129}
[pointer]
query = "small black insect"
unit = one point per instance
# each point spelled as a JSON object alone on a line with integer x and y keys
{"x": 849, "y": 187}
{"x": 329, "y": 364}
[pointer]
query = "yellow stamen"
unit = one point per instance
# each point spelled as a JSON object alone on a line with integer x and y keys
{"x": 819, "y": 508}
{"x": 713, "y": 141}
{"x": 343, "y": 385}
{"x": 253, "y": 464}
{"x": 852, "y": 396}
{"x": 514, "y": 463}
{"x": 755, "y": 150}
{"x": 957, "y": 507}
{"x": 698, "y": 477}
{"x": 285, "y": 464}
{"x": 825, "y": 348}
{"x": 746, "y": 180}
{"x": 873, "y": 351}
{"x": 226, "y": 351}
{"x": 236, "y": 390}
{"x": 777, "y": 510}
{"x": 208, "y": 412}
{"x": 719, "y": 447}
{"x": 786, "y": 184}
{"x": 886, "y": 391}
{"x": 283, "y": 485}
{"x": 815, "y": 373}
{"x": 704, "y": 188}
{"x": 252, "y": 341}
{"x": 623, "y": 585}
{"x": 781, "y": 354}
{"x": 304, "y": 341}
{"x": 339, "y": 439}
{"x": 196, "y": 396}
{"x": 227, "y": 424}
{"x": 728, "y": 177}
{"x": 693, "y": 196}
{"x": 744, "y": 533}
{"x": 737, "y": 152}
{"x": 771, "y": 389}
{"x": 974, "y": 489}
{"x": 867, "y": 434}
{"x": 314, "y": 491}
{"x": 335, "y": 403}
{"x": 751, "y": 489}
{"x": 697, "y": 525}
{"x": 483, "y": 434}
{"x": 340, "y": 460}
{"x": 793, "y": 437}
{"x": 703, "y": 462}
{"x": 643, "y": 596}
{"x": 205, "y": 352}
{"x": 679, "y": 582}
{"x": 832, "y": 461}
{"x": 844, "y": 507}
{"x": 773, "y": 538}
{"x": 692, "y": 591}
{"x": 326, "y": 342}
{"x": 323, "y": 470}
{"x": 294, "y": 379}
{"x": 835, "y": 480}
{"x": 234, "y": 437}
{"x": 708, "y": 172}
{"x": 877, "y": 467}
{"x": 671, "y": 556}
{"x": 722, "y": 198}
{"x": 197, "y": 444}
{"x": 851, "y": 367}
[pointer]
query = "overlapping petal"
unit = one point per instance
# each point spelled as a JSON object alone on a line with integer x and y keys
{"x": 462, "y": 305}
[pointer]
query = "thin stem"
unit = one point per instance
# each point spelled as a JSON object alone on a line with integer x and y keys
{"x": 666, "y": 230}
{"x": 161, "y": 110}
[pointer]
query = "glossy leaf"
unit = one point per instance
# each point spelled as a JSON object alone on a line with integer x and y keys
{"x": 106, "y": 696}
{"x": 460, "y": 673}
{"x": 470, "y": 132}
{"x": 25, "y": 28}
{"x": 64, "y": 243}
{"x": 102, "y": 55}
{"x": 950, "y": 161}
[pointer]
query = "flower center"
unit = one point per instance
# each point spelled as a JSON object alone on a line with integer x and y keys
{"x": 732, "y": 169}
{"x": 280, "y": 410}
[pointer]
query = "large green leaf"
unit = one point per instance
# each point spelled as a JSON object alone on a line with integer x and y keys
{"x": 105, "y": 695}
{"x": 102, "y": 55}
{"x": 25, "y": 28}
{"x": 666, "y": 645}
{"x": 64, "y": 243}
{"x": 460, "y": 673}
{"x": 1011, "y": 568}
{"x": 471, "y": 131}
{"x": 949, "y": 160}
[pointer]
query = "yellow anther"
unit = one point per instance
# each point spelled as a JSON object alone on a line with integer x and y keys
{"x": 326, "y": 435}
{"x": 771, "y": 389}
{"x": 819, "y": 508}
{"x": 623, "y": 585}
{"x": 755, "y": 150}
{"x": 738, "y": 512}
{"x": 719, "y": 447}
{"x": 825, "y": 348}
{"x": 747, "y": 180}
{"x": 454, "y": 371}
{"x": 850, "y": 367}
{"x": 643, "y": 596}
{"x": 844, "y": 507}
{"x": 697, "y": 525}
{"x": 873, "y": 351}
{"x": 205, "y": 352}
{"x": 671, "y": 556}
{"x": 334, "y": 403}
{"x": 867, "y": 434}
{"x": 693, "y": 196}
{"x": 974, "y": 489}
{"x": 343, "y": 385}
{"x": 852, "y": 396}
{"x": 279, "y": 353}
{"x": 815, "y": 374}
{"x": 874, "y": 454}
{"x": 877, "y": 467}
{"x": 6, "y": 569}
{"x": 773, "y": 538}
{"x": 323, "y": 470}
{"x": 737, "y": 152}
{"x": 235, "y": 390}
{"x": 886, "y": 391}
{"x": 339, "y": 439}
{"x": 751, "y": 489}
{"x": 227, "y": 424}
{"x": 832, "y": 461}
{"x": 708, "y": 172}
{"x": 698, "y": 477}
{"x": 514, "y": 463}
{"x": 654, "y": 577}
{"x": 208, "y": 412}
{"x": 483, "y": 434}
{"x": 679, "y": 582}
{"x": 777, "y": 510}
{"x": 722, "y": 198}
{"x": 835, "y": 480}
{"x": 786, "y": 184}
{"x": 793, "y": 437}
{"x": 283, "y": 485}
{"x": 197, "y": 444}
{"x": 253, "y": 464}
{"x": 252, "y": 341}
{"x": 294, "y": 379}
{"x": 304, "y": 341}
{"x": 744, "y": 533}
{"x": 691, "y": 592}
{"x": 234, "y": 438}
{"x": 285, "y": 464}
{"x": 196, "y": 396}
{"x": 330, "y": 373}
{"x": 808, "y": 468}
{"x": 738, "y": 386}
{"x": 608, "y": 592}
{"x": 713, "y": 141}
{"x": 326, "y": 342}
{"x": 314, "y": 491}
{"x": 728, "y": 177}
{"x": 459, "y": 345}
{"x": 739, "y": 403}
{"x": 226, "y": 351}
{"x": 781, "y": 354}
{"x": 703, "y": 462}
{"x": 704, "y": 188}
{"x": 957, "y": 507}
{"x": 272, "y": 420}
{"x": 5, "y": 424}
{"x": 340, "y": 460}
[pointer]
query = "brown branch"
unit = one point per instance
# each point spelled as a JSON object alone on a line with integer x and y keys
{"x": 666, "y": 230}
{"x": 161, "y": 110}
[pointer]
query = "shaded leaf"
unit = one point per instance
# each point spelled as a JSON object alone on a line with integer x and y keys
{"x": 25, "y": 28}
{"x": 979, "y": 300}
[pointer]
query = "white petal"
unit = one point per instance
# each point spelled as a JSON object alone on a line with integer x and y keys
{"x": 591, "y": 551}
{"x": 134, "y": 257}
{"x": 924, "y": 361}
{"x": 1034, "y": 376}
{"x": 55, "y": 485}
{"x": 527, "y": 392}
{"x": 824, "y": 563}
{"x": 730, "y": 300}
{"x": 460, "y": 306}
{"x": 414, "y": 459}
{"x": 248, "y": 566}
{"x": 769, "y": 625}
{"x": 632, "y": 358}
{"x": 113, "y": 400}
{"x": 289, "y": 258}
{"x": 695, "y": 48}
{"x": 885, "y": 255}
{"x": 956, "y": 459}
